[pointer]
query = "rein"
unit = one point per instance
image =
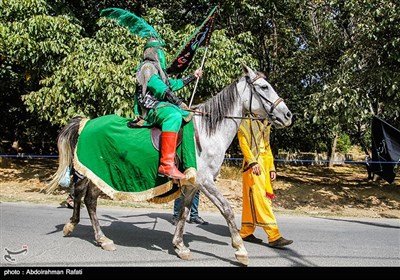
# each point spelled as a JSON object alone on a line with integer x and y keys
{"x": 273, "y": 104}
{"x": 197, "y": 112}
{"x": 251, "y": 82}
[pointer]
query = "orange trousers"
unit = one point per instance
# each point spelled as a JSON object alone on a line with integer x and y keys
{"x": 257, "y": 207}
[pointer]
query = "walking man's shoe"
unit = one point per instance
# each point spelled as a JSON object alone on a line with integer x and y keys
{"x": 251, "y": 238}
{"x": 197, "y": 220}
{"x": 280, "y": 242}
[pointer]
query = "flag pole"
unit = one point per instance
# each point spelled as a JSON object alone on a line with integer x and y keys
{"x": 197, "y": 80}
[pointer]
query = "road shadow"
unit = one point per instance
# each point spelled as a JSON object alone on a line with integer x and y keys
{"x": 144, "y": 233}
{"x": 375, "y": 224}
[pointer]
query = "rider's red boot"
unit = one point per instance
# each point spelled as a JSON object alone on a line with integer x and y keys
{"x": 168, "y": 150}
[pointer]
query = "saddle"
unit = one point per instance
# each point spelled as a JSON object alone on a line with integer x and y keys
{"x": 155, "y": 133}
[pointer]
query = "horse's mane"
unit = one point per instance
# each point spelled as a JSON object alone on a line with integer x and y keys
{"x": 216, "y": 108}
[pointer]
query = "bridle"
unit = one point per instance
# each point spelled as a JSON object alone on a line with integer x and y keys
{"x": 252, "y": 91}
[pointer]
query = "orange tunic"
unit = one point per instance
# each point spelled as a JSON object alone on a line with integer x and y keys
{"x": 253, "y": 139}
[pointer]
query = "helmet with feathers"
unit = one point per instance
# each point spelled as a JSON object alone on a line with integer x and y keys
{"x": 136, "y": 25}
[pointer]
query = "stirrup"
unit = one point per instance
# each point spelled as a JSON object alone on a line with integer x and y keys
{"x": 178, "y": 175}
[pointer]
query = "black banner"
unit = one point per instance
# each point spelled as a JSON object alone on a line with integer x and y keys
{"x": 385, "y": 149}
{"x": 200, "y": 38}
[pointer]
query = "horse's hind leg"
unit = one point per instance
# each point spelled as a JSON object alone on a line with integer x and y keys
{"x": 181, "y": 250}
{"x": 91, "y": 196}
{"x": 79, "y": 186}
{"x": 211, "y": 191}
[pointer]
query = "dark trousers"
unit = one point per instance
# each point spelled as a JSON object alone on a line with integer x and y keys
{"x": 194, "y": 207}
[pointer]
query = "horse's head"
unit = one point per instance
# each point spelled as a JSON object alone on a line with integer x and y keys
{"x": 260, "y": 98}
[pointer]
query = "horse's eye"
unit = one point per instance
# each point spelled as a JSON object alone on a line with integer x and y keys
{"x": 264, "y": 87}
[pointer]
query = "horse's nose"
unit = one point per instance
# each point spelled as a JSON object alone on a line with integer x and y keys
{"x": 289, "y": 115}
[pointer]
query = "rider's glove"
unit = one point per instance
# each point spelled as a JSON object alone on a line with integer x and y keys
{"x": 188, "y": 79}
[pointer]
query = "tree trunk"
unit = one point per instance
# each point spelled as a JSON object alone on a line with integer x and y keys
{"x": 332, "y": 151}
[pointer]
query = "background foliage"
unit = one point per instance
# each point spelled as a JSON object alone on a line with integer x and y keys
{"x": 336, "y": 63}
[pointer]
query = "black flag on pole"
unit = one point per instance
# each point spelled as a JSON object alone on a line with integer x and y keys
{"x": 200, "y": 38}
{"x": 385, "y": 149}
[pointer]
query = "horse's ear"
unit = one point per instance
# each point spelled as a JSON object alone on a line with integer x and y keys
{"x": 247, "y": 71}
{"x": 245, "y": 68}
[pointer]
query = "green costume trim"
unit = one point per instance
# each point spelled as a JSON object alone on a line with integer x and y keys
{"x": 154, "y": 44}
{"x": 188, "y": 146}
{"x": 136, "y": 108}
{"x": 162, "y": 59}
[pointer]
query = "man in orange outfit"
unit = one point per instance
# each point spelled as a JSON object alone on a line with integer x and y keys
{"x": 258, "y": 172}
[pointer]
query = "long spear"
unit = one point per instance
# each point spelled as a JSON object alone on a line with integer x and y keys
{"x": 197, "y": 80}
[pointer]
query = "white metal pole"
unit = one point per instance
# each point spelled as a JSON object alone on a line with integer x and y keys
{"x": 197, "y": 81}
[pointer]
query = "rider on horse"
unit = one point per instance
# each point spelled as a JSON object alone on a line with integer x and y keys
{"x": 156, "y": 104}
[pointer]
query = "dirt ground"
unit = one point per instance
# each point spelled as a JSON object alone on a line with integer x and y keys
{"x": 301, "y": 190}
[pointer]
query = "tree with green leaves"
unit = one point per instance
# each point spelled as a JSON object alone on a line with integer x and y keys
{"x": 335, "y": 62}
{"x": 32, "y": 43}
{"x": 359, "y": 76}
{"x": 57, "y": 72}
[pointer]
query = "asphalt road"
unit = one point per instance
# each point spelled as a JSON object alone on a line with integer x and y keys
{"x": 143, "y": 238}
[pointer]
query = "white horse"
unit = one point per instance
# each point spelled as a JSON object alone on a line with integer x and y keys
{"x": 216, "y": 126}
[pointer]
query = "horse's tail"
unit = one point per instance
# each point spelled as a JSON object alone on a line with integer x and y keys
{"x": 66, "y": 143}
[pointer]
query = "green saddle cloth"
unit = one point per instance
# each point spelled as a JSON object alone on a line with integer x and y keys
{"x": 121, "y": 161}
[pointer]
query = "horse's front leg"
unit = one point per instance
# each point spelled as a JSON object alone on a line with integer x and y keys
{"x": 91, "y": 204}
{"x": 79, "y": 190}
{"x": 211, "y": 191}
{"x": 181, "y": 250}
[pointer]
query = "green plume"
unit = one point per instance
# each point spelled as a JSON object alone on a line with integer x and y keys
{"x": 135, "y": 24}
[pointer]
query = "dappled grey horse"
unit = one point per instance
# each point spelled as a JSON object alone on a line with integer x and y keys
{"x": 217, "y": 121}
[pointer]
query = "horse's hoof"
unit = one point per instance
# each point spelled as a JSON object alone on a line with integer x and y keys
{"x": 243, "y": 259}
{"x": 107, "y": 244}
{"x": 68, "y": 229}
{"x": 184, "y": 254}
